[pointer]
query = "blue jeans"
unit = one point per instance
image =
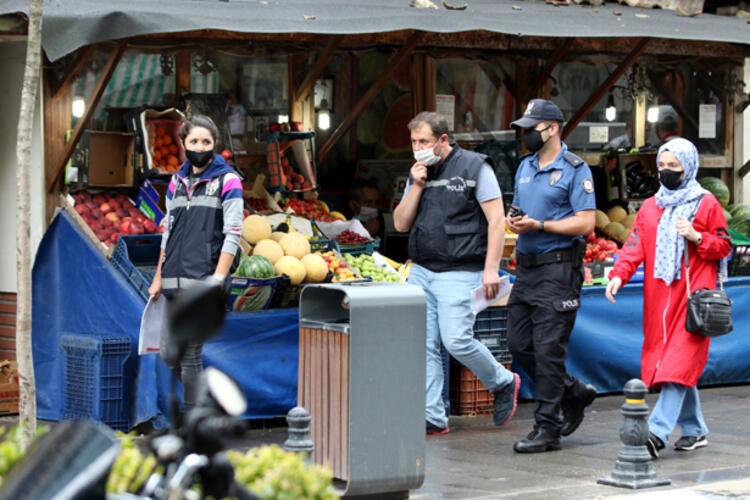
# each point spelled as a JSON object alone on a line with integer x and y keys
{"x": 677, "y": 405}
{"x": 451, "y": 320}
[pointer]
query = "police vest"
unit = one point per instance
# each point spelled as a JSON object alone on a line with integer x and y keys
{"x": 196, "y": 232}
{"x": 449, "y": 232}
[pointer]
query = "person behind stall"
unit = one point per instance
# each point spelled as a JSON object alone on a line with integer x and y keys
{"x": 362, "y": 204}
{"x": 672, "y": 359}
{"x": 452, "y": 207}
{"x": 204, "y": 223}
{"x": 666, "y": 128}
{"x": 553, "y": 209}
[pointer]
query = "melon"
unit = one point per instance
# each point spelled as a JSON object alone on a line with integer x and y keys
{"x": 269, "y": 249}
{"x": 617, "y": 214}
{"x": 316, "y": 268}
{"x": 295, "y": 244}
{"x": 727, "y": 215}
{"x": 255, "y": 266}
{"x": 292, "y": 267}
{"x": 741, "y": 224}
{"x": 738, "y": 209}
{"x": 277, "y": 235}
{"x": 602, "y": 219}
{"x": 616, "y": 229}
{"x": 717, "y": 187}
{"x": 255, "y": 228}
{"x": 629, "y": 220}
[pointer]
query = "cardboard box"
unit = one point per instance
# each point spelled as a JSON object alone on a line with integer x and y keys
{"x": 170, "y": 120}
{"x": 9, "y": 391}
{"x": 105, "y": 158}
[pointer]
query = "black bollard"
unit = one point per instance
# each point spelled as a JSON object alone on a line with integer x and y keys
{"x": 298, "y": 420}
{"x": 633, "y": 468}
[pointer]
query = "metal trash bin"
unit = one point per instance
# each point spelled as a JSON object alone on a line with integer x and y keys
{"x": 362, "y": 377}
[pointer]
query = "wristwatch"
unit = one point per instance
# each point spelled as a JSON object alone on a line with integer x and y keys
{"x": 541, "y": 225}
{"x": 699, "y": 240}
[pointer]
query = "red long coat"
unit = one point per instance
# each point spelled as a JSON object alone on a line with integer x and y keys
{"x": 670, "y": 353}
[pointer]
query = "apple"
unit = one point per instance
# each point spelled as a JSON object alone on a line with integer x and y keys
{"x": 125, "y": 225}
{"x": 105, "y": 208}
{"x": 149, "y": 225}
{"x": 136, "y": 228}
{"x": 112, "y": 217}
{"x": 81, "y": 208}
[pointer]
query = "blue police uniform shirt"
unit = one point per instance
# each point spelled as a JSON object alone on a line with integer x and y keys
{"x": 555, "y": 192}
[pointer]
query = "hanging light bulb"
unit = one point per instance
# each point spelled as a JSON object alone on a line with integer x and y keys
{"x": 652, "y": 115}
{"x": 78, "y": 106}
{"x": 324, "y": 116}
{"x": 610, "y": 112}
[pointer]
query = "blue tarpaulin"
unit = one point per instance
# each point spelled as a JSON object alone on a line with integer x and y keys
{"x": 77, "y": 290}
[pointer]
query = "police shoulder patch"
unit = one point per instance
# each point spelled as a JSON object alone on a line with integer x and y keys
{"x": 588, "y": 185}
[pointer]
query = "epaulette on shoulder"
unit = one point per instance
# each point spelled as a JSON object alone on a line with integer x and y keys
{"x": 573, "y": 159}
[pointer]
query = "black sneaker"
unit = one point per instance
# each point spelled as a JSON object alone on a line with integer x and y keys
{"x": 654, "y": 445}
{"x": 506, "y": 401}
{"x": 689, "y": 443}
{"x": 433, "y": 429}
{"x": 573, "y": 410}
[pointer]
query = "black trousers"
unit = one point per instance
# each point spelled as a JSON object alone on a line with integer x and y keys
{"x": 542, "y": 310}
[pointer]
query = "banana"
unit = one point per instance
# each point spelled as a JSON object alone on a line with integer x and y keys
{"x": 404, "y": 269}
{"x": 391, "y": 262}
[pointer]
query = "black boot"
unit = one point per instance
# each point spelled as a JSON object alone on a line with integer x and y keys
{"x": 539, "y": 440}
{"x": 573, "y": 410}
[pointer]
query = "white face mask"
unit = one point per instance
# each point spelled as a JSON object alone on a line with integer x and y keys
{"x": 367, "y": 213}
{"x": 426, "y": 156}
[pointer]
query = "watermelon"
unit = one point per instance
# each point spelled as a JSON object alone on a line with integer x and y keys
{"x": 717, "y": 187}
{"x": 254, "y": 298}
{"x": 741, "y": 224}
{"x": 727, "y": 214}
{"x": 738, "y": 209}
{"x": 255, "y": 266}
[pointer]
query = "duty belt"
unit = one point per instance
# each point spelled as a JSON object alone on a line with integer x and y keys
{"x": 541, "y": 259}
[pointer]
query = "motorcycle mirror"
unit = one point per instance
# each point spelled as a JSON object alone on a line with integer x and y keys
{"x": 225, "y": 391}
{"x": 197, "y": 313}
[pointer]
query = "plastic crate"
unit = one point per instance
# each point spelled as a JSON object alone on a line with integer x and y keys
{"x": 136, "y": 257}
{"x": 367, "y": 248}
{"x": 491, "y": 329}
{"x": 469, "y": 396}
{"x": 251, "y": 294}
{"x": 93, "y": 373}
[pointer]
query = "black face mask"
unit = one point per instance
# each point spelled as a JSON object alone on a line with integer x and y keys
{"x": 532, "y": 139}
{"x": 199, "y": 159}
{"x": 670, "y": 179}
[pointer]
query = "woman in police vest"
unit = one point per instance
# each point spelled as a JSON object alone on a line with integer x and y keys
{"x": 203, "y": 229}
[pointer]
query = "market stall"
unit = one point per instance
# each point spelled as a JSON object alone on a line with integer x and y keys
{"x": 260, "y": 349}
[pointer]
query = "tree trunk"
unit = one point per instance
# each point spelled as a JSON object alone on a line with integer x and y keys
{"x": 31, "y": 82}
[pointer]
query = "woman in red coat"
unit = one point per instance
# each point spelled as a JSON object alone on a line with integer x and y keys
{"x": 672, "y": 359}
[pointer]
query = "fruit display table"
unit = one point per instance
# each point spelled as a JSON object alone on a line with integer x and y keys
{"x": 76, "y": 290}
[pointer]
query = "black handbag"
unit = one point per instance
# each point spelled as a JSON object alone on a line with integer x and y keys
{"x": 709, "y": 312}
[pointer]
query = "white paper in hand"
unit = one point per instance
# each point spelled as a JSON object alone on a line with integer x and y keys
{"x": 151, "y": 321}
{"x": 479, "y": 302}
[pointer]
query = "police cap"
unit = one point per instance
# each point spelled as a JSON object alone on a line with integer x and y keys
{"x": 538, "y": 110}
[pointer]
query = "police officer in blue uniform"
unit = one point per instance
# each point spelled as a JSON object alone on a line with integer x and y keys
{"x": 553, "y": 209}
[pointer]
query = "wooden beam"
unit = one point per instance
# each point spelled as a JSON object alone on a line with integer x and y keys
{"x": 560, "y": 52}
{"x": 182, "y": 72}
{"x": 309, "y": 82}
{"x": 606, "y": 86}
{"x": 83, "y": 58}
{"x": 59, "y": 164}
{"x": 430, "y": 84}
{"x": 371, "y": 93}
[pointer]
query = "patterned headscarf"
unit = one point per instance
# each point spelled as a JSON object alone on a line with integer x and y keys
{"x": 681, "y": 202}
